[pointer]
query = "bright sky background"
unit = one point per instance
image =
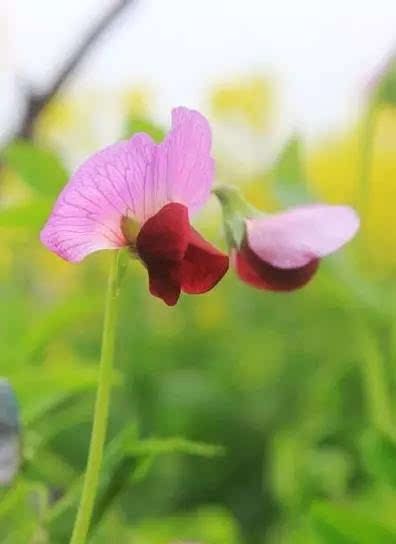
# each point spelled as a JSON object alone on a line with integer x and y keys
{"x": 322, "y": 52}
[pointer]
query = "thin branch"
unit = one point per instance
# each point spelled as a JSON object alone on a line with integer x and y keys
{"x": 37, "y": 102}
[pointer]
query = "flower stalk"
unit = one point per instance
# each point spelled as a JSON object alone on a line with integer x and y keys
{"x": 101, "y": 413}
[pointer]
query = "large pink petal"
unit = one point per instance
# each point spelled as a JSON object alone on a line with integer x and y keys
{"x": 134, "y": 178}
{"x": 293, "y": 238}
{"x": 183, "y": 169}
{"x": 87, "y": 215}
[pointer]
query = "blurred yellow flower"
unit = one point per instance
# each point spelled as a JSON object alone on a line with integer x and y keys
{"x": 13, "y": 189}
{"x": 258, "y": 190}
{"x": 250, "y": 99}
{"x": 78, "y": 124}
{"x": 247, "y": 127}
{"x": 60, "y": 114}
{"x": 136, "y": 101}
{"x": 67, "y": 124}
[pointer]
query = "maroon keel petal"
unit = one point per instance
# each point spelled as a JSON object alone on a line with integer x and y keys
{"x": 164, "y": 283}
{"x": 203, "y": 265}
{"x": 162, "y": 243}
{"x": 176, "y": 256}
{"x": 258, "y": 273}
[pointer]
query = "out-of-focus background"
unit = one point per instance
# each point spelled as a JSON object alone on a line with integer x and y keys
{"x": 238, "y": 417}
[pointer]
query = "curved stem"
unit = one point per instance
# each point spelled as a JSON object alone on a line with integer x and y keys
{"x": 91, "y": 480}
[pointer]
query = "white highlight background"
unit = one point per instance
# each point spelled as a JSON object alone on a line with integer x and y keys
{"x": 322, "y": 52}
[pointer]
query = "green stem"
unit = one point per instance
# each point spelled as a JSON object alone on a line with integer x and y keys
{"x": 366, "y": 160}
{"x": 377, "y": 392}
{"x": 91, "y": 480}
{"x": 375, "y": 382}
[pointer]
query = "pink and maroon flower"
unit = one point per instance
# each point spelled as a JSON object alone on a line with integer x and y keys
{"x": 282, "y": 251}
{"x": 140, "y": 195}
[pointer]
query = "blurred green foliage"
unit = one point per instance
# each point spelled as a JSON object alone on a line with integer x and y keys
{"x": 40, "y": 168}
{"x": 385, "y": 88}
{"x": 137, "y": 123}
{"x": 238, "y": 417}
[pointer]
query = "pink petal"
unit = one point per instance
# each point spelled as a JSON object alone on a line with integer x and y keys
{"x": 135, "y": 178}
{"x": 183, "y": 170}
{"x": 87, "y": 215}
{"x": 293, "y": 238}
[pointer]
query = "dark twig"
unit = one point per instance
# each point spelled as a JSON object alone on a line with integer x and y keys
{"x": 37, "y": 102}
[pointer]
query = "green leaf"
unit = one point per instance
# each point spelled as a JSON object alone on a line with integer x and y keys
{"x": 135, "y": 466}
{"x": 40, "y": 168}
{"x": 339, "y": 525}
{"x": 50, "y": 467}
{"x": 288, "y": 167}
{"x": 29, "y": 215}
{"x": 43, "y": 390}
{"x": 47, "y": 327}
{"x": 138, "y": 461}
{"x": 141, "y": 469}
{"x": 142, "y": 124}
{"x": 286, "y": 470}
{"x": 379, "y": 456}
{"x": 126, "y": 461}
{"x": 20, "y": 511}
{"x": 375, "y": 378}
{"x": 120, "y": 480}
{"x": 115, "y": 462}
{"x": 211, "y": 525}
{"x": 160, "y": 446}
{"x": 289, "y": 175}
{"x": 386, "y": 87}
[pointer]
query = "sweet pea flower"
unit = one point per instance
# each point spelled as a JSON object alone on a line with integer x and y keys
{"x": 282, "y": 251}
{"x": 139, "y": 195}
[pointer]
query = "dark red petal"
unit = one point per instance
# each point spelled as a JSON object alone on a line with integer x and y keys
{"x": 203, "y": 265}
{"x": 165, "y": 282}
{"x": 258, "y": 273}
{"x": 176, "y": 256}
{"x": 165, "y": 235}
{"x": 161, "y": 244}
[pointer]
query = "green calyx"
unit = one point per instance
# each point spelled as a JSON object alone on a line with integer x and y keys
{"x": 130, "y": 229}
{"x": 235, "y": 212}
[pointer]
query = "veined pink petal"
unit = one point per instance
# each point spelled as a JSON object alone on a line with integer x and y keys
{"x": 183, "y": 169}
{"x": 87, "y": 215}
{"x": 134, "y": 178}
{"x": 293, "y": 238}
